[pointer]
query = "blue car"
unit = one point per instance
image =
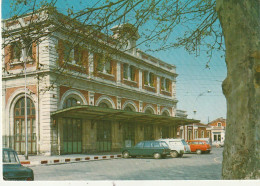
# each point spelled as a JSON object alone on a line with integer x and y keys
{"x": 12, "y": 168}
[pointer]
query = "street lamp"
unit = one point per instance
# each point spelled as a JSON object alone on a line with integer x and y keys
{"x": 25, "y": 103}
{"x": 199, "y": 95}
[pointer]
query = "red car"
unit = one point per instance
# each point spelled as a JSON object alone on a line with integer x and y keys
{"x": 199, "y": 146}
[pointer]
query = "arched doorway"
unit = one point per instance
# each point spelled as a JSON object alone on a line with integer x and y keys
{"x": 19, "y": 126}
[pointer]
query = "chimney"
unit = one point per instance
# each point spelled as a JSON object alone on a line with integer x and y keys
{"x": 127, "y": 34}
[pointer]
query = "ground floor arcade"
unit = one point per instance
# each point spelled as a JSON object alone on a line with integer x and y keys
{"x": 90, "y": 129}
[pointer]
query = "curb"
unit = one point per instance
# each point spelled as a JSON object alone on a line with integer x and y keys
{"x": 68, "y": 160}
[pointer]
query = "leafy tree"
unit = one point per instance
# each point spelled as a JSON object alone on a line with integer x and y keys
{"x": 230, "y": 26}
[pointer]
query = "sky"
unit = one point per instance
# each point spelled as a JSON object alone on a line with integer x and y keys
{"x": 198, "y": 88}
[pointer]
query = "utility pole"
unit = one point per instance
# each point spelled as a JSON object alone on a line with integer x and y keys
{"x": 25, "y": 102}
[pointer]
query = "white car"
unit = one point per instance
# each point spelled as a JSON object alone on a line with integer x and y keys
{"x": 178, "y": 146}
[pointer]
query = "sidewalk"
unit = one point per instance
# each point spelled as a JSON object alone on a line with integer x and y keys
{"x": 62, "y": 159}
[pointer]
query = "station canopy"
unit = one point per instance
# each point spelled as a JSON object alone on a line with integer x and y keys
{"x": 100, "y": 113}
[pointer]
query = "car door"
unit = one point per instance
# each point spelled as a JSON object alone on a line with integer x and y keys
{"x": 193, "y": 146}
{"x": 137, "y": 149}
{"x": 148, "y": 148}
{"x": 203, "y": 146}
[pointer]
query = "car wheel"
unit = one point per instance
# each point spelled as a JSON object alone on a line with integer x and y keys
{"x": 198, "y": 151}
{"x": 125, "y": 154}
{"x": 174, "y": 154}
{"x": 157, "y": 155}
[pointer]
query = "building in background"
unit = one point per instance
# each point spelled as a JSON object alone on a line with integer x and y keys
{"x": 214, "y": 131}
{"x": 194, "y": 131}
{"x": 218, "y": 130}
{"x": 83, "y": 94}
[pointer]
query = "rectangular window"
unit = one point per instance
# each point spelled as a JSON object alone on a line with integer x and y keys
{"x": 145, "y": 77}
{"x": 132, "y": 73}
{"x": 16, "y": 53}
{"x": 77, "y": 54}
{"x": 68, "y": 52}
{"x": 162, "y": 83}
{"x": 100, "y": 62}
{"x": 167, "y": 85}
{"x": 108, "y": 68}
{"x": 125, "y": 72}
{"x": 28, "y": 43}
{"x": 151, "y": 79}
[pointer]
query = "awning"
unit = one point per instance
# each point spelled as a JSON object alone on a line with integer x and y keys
{"x": 99, "y": 113}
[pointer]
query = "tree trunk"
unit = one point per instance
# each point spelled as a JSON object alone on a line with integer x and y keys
{"x": 240, "y": 21}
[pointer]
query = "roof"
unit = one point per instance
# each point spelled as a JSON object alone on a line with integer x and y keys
{"x": 218, "y": 119}
{"x": 99, "y": 113}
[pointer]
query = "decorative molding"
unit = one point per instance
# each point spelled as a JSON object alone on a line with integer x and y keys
{"x": 106, "y": 99}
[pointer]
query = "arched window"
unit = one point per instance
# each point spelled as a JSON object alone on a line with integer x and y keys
{"x": 19, "y": 126}
{"x": 165, "y": 113}
{"x": 103, "y": 105}
{"x": 70, "y": 102}
{"x": 149, "y": 111}
{"x": 128, "y": 108}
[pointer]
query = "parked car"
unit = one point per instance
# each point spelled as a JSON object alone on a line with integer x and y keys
{"x": 157, "y": 149}
{"x": 178, "y": 147}
{"x": 208, "y": 140}
{"x": 199, "y": 146}
{"x": 12, "y": 168}
{"x": 218, "y": 143}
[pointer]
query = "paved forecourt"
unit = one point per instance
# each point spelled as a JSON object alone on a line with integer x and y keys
{"x": 190, "y": 167}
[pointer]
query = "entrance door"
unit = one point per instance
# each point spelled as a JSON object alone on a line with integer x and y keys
{"x": 19, "y": 127}
{"x": 72, "y": 136}
{"x": 129, "y": 134}
{"x": 104, "y": 139}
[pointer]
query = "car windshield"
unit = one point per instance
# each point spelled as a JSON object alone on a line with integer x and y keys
{"x": 164, "y": 144}
{"x": 10, "y": 157}
{"x": 184, "y": 142}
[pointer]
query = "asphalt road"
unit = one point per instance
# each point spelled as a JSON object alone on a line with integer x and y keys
{"x": 190, "y": 167}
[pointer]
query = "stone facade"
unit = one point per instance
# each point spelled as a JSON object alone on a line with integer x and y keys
{"x": 130, "y": 80}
